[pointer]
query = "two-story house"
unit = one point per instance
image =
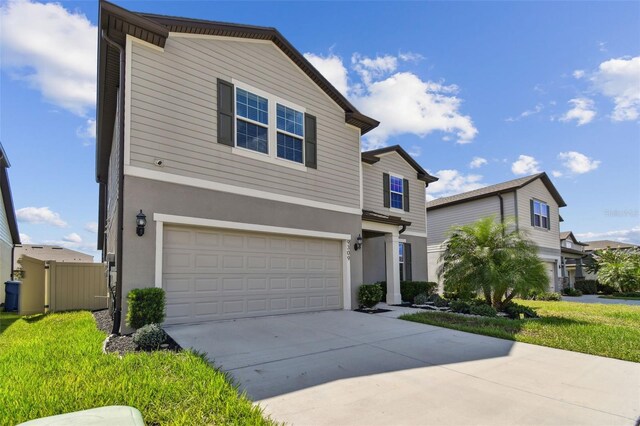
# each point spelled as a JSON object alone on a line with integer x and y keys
{"x": 231, "y": 175}
{"x": 532, "y": 202}
{"x": 573, "y": 256}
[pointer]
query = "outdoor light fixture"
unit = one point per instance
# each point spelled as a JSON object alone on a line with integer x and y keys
{"x": 358, "y": 245}
{"x": 141, "y": 221}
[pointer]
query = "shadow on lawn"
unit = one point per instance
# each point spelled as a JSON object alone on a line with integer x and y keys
{"x": 8, "y": 318}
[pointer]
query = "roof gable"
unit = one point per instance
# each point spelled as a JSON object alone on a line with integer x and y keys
{"x": 372, "y": 157}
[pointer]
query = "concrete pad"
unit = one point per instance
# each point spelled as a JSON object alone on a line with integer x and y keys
{"x": 343, "y": 367}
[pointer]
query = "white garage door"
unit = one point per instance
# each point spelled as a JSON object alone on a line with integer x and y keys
{"x": 210, "y": 274}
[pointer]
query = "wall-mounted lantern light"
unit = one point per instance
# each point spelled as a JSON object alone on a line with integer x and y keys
{"x": 358, "y": 245}
{"x": 141, "y": 221}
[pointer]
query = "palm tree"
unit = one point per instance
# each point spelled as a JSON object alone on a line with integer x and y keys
{"x": 493, "y": 259}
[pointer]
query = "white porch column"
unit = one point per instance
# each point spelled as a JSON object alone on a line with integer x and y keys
{"x": 392, "y": 247}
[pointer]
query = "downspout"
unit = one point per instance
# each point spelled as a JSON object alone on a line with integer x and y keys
{"x": 404, "y": 228}
{"x": 117, "y": 312}
{"x": 501, "y": 208}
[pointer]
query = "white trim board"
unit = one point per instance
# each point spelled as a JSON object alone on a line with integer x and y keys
{"x": 223, "y": 187}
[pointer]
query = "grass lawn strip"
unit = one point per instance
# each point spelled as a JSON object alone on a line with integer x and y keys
{"x": 53, "y": 364}
{"x": 606, "y": 330}
{"x": 619, "y": 297}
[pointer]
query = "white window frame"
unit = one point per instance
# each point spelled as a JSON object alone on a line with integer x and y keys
{"x": 541, "y": 203}
{"x": 391, "y": 208}
{"x": 272, "y": 135}
{"x": 250, "y": 121}
{"x": 401, "y": 259}
{"x": 284, "y": 132}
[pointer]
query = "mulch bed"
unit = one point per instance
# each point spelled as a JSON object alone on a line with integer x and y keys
{"x": 372, "y": 311}
{"x": 123, "y": 344}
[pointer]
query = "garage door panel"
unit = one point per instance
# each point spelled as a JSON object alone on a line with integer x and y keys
{"x": 220, "y": 274}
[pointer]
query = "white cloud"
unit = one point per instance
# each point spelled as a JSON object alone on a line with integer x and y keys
{"x": 52, "y": 49}
{"x": 403, "y": 102}
{"x": 556, "y": 173}
{"x": 73, "y": 238}
{"x": 88, "y": 130}
{"x": 25, "y": 239}
{"x": 91, "y": 227}
{"x": 602, "y": 46}
{"x": 40, "y": 215}
{"x": 410, "y": 56}
{"x": 624, "y": 235}
{"x": 619, "y": 79}
{"x": 525, "y": 165}
{"x": 578, "y": 163}
{"x": 526, "y": 113}
{"x": 415, "y": 151}
{"x": 477, "y": 162}
{"x": 332, "y": 68}
{"x": 578, "y": 74}
{"x": 451, "y": 182}
{"x": 583, "y": 111}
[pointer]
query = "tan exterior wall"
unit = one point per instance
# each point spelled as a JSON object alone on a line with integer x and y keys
{"x": 542, "y": 237}
{"x": 372, "y": 190}
{"x": 173, "y": 100}
{"x": 441, "y": 220}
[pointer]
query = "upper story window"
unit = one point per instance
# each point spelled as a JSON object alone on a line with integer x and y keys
{"x": 568, "y": 244}
{"x": 396, "y": 188}
{"x": 540, "y": 214}
{"x": 290, "y": 126}
{"x": 252, "y": 121}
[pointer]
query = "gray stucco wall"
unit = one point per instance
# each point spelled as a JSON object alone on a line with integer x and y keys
{"x": 374, "y": 267}
{"x": 166, "y": 198}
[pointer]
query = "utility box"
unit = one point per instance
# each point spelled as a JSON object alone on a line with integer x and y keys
{"x": 12, "y": 296}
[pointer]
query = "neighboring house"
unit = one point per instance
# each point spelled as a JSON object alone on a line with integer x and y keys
{"x": 591, "y": 246}
{"x": 573, "y": 255}
{"x": 9, "y": 235}
{"x": 48, "y": 252}
{"x": 532, "y": 202}
{"x": 247, "y": 164}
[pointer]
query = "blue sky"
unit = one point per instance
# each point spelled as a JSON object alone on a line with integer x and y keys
{"x": 518, "y": 86}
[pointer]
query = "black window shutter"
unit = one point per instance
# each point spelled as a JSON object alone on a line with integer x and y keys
{"x": 548, "y": 217}
{"x": 408, "y": 276}
{"x": 225, "y": 113}
{"x": 385, "y": 190}
{"x": 405, "y": 194}
{"x": 533, "y": 222}
{"x": 310, "y": 142}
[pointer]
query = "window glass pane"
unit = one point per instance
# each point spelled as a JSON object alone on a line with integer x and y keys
{"x": 252, "y": 106}
{"x": 396, "y": 184}
{"x": 545, "y": 210}
{"x": 396, "y": 200}
{"x": 289, "y": 148}
{"x": 401, "y": 247}
{"x": 544, "y": 222}
{"x": 536, "y": 207}
{"x": 537, "y": 220}
{"x": 251, "y": 136}
{"x": 289, "y": 120}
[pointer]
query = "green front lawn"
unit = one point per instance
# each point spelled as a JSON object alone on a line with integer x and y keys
{"x": 53, "y": 364}
{"x": 619, "y": 297}
{"x": 606, "y": 330}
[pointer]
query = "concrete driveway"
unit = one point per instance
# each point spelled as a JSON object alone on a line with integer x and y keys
{"x": 348, "y": 368}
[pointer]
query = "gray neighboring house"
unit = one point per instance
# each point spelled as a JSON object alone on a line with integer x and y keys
{"x": 573, "y": 257}
{"x": 9, "y": 235}
{"x": 532, "y": 201}
{"x": 49, "y": 252}
{"x": 591, "y": 246}
{"x": 247, "y": 164}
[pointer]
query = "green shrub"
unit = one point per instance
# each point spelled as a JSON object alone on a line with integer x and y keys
{"x": 605, "y": 289}
{"x": 421, "y": 299}
{"x": 483, "y": 310}
{"x": 410, "y": 289}
{"x": 548, "y": 296}
{"x": 587, "y": 286}
{"x": 571, "y": 292}
{"x": 514, "y": 310}
{"x": 438, "y": 300}
{"x": 369, "y": 295}
{"x": 460, "y": 306}
{"x": 627, "y": 294}
{"x": 383, "y": 285}
{"x": 146, "y": 306}
{"x": 149, "y": 337}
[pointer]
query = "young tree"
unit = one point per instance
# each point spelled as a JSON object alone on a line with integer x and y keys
{"x": 618, "y": 268}
{"x": 493, "y": 259}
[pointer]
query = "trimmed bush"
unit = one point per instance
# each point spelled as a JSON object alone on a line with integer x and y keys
{"x": 587, "y": 286}
{"x": 438, "y": 300}
{"x": 606, "y": 289}
{"x": 149, "y": 337}
{"x": 627, "y": 294}
{"x": 460, "y": 306}
{"x": 383, "y": 285}
{"x": 410, "y": 289}
{"x": 548, "y": 296}
{"x": 369, "y": 295}
{"x": 146, "y": 306}
{"x": 483, "y": 310}
{"x": 571, "y": 292}
{"x": 514, "y": 310}
{"x": 421, "y": 299}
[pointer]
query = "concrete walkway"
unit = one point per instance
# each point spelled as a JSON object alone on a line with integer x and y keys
{"x": 349, "y": 368}
{"x": 592, "y": 298}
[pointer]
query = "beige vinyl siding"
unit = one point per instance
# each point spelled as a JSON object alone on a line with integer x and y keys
{"x": 441, "y": 220}
{"x": 112, "y": 193}
{"x": 542, "y": 237}
{"x": 373, "y": 197}
{"x": 174, "y": 118}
